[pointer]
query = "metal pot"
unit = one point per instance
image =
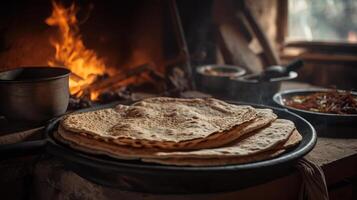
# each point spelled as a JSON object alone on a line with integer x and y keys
{"x": 34, "y": 94}
{"x": 251, "y": 89}
{"x": 217, "y": 82}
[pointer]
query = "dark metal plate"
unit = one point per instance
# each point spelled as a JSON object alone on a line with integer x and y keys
{"x": 155, "y": 178}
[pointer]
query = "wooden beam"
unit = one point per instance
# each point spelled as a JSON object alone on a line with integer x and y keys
{"x": 269, "y": 52}
{"x": 282, "y": 22}
{"x": 117, "y": 78}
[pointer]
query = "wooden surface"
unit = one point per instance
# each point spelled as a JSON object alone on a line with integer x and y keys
{"x": 330, "y": 150}
{"x": 338, "y": 158}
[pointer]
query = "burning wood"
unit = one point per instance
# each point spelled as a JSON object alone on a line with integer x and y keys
{"x": 89, "y": 77}
{"x": 119, "y": 87}
{"x": 107, "y": 83}
{"x": 91, "y": 81}
{"x": 138, "y": 75}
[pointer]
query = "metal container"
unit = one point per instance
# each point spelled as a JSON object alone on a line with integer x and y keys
{"x": 215, "y": 79}
{"x": 34, "y": 94}
{"x": 250, "y": 89}
{"x": 326, "y": 124}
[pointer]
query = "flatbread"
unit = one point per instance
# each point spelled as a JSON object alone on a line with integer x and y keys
{"x": 87, "y": 144}
{"x": 129, "y": 153}
{"x": 264, "y": 118}
{"x": 197, "y": 162}
{"x": 262, "y": 140}
{"x": 167, "y": 123}
{"x": 99, "y": 145}
{"x": 293, "y": 140}
{"x": 192, "y": 132}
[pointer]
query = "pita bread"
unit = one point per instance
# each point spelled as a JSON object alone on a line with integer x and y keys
{"x": 166, "y": 123}
{"x": 197, "y": 162}
{"x": 129, "y": 153}
{"x": 191, "y": 132}
{"x": 261, "y": 140}
{"x": 264, "y": 117}
{"x": 99, "y": 145}
{"x": 293, "y": 140}
{"x": 237, "y": 149}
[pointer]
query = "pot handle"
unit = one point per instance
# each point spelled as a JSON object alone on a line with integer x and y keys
{"x": 294, "y": 65}
{"x": 13, "y": 145}
{"x": 22, "y": 149}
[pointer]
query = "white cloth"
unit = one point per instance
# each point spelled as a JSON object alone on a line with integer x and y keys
{"x": 313, "y": 181}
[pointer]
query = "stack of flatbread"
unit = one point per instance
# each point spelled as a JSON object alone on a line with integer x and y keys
{"x": 191, "y": 132}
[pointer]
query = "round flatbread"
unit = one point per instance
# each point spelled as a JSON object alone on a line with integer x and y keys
{"x": 240, "y": 148}
{"x": 293, "y": 140}
{"x": 258, "y": 141}
{"x": 167, "y": 123}
{"x": 148, "y": 155}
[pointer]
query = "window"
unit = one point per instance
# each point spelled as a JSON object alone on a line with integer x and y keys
{"x": 322, "y": 21}
{"x": 319, "y": 30}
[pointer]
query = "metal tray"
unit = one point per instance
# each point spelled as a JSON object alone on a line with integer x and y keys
{"x": 154, "y": 178}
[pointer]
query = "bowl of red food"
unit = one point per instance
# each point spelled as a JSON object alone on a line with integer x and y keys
{"x": 326, "y": 109}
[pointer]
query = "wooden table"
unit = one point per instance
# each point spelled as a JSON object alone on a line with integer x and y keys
{"x": 48, "y": 179}
{"x": 337, "y": 157}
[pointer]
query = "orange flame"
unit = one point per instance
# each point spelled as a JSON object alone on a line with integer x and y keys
{"x": 71, "y": 51}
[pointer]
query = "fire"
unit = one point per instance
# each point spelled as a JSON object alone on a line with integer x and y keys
{"x": 71, "y": 51}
